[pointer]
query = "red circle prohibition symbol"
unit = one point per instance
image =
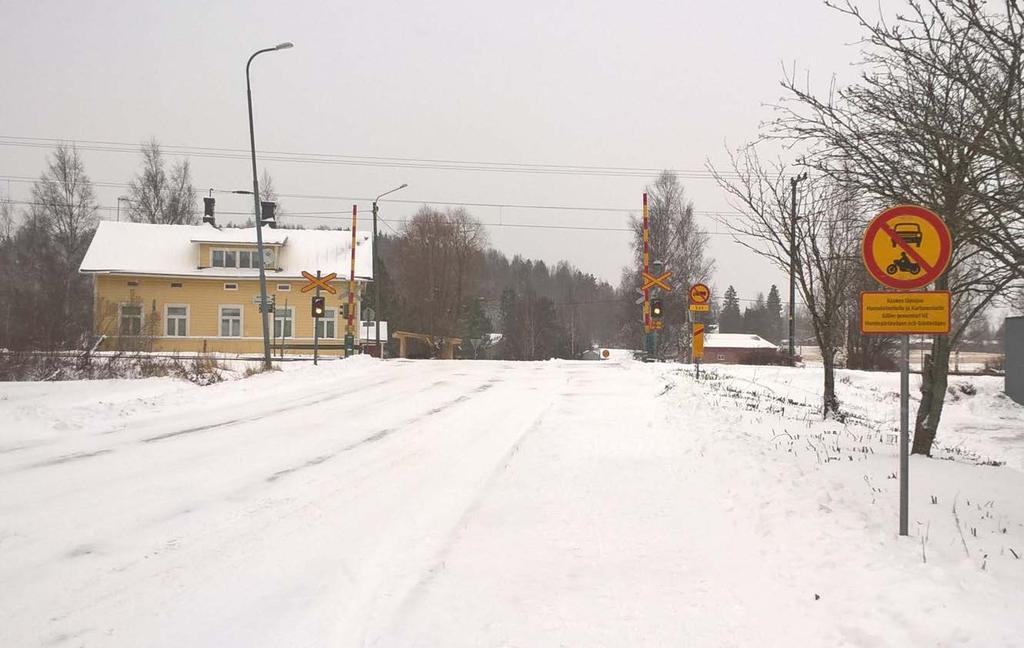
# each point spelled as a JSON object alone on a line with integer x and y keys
{"x": 883, "y": 225}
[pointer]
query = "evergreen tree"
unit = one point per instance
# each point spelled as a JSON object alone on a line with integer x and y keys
{"x": 731, "y": 320}
{"x": 754, "y": 317}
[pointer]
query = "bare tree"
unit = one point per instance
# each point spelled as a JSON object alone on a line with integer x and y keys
{"x": 7, "y": 218}
{"x": 827, "y": 238}
{"x": 975, "y": 53}
{"x": 156, "y": 197}
{"x": 64, "y": 207}
{"x": 884, "y": 136}
{"x": 436, "y": 253}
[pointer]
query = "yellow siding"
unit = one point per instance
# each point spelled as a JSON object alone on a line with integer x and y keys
{"x": 204, "y": 297}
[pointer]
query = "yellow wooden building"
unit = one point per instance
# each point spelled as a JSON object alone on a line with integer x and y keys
{"x": 195, "y": 288}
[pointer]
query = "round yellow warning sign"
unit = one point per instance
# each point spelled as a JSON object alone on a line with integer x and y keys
{"x": 907, "y": 247}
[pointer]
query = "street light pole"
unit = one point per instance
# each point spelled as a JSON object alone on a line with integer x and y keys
{"x": 376, "y": 276}
{"x": 256, "y": 207}
{"x": 792, "y": 266}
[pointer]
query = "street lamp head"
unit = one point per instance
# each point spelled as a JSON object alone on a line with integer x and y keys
{"x": 404, "y": 185}
{"x": 284, "y": 46}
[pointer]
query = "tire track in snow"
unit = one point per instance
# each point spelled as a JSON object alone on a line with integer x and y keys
{"x": 384, "y": 433}
{"x": 413, "y": 595}
{"x": 293, "y": 405}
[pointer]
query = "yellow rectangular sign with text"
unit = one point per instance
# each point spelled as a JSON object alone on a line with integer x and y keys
{"x": 895, "y": 313}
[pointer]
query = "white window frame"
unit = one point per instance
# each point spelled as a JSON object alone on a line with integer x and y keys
{"x": 230, "y": 286}
{"x": 290, "y": 319}
{"x": 167, "y": 319}
{"x": 120, "y": 318}
{"x": 249, "y": 255}
{"x": 224, "y": 252}
{"x": 220, "y": 320}
{"x": 321, "y": 324}
{"x": 284, "y": 287}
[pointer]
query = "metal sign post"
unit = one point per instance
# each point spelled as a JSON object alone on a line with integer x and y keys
{"x": 316, "y": 326}
{"x": 904, "y": 432}
{"x": 350, "y": 332}
{"x": 905, "y": 248}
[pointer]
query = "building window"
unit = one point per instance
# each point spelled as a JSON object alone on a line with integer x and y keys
{"x": 227, "y": 259}
{"x": 133, "y": 283}
{"x": 175, "y": 284}
{"x": 177, "y": 321}
{"x": 283, "y": 322}
{"x": 245, "y": 259}
{"x": 231, "y": 321}
{"x": 131, "y": 319}
{"x": 326, "y": 326}
{"x": 721, "y": 356}
{"x": 283, "y": 287}
{"x": 230, "y": 286}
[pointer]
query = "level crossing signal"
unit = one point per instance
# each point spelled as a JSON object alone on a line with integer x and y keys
{"x": 319, "y": 306}
{"x": 656, "y": 309}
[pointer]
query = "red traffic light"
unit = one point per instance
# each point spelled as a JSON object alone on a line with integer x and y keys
{"x": 656, "y": 309}
{"x": 319, "y": 306}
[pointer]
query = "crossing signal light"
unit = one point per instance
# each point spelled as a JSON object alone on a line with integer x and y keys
{"x": 319, "y": 305}
{"x": 656, "y": 309}
{"x": 267, "y": 213}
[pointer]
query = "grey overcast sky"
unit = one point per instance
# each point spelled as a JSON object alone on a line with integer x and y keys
{"x": 591, "y": 83}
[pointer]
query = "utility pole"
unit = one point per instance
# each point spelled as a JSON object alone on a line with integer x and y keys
{"x": 792, "y": 265}
{"x": 376, "y": 273}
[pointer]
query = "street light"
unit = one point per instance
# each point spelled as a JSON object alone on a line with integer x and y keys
{"x": 256, "y": 206}
{"x": 376, "y": 277}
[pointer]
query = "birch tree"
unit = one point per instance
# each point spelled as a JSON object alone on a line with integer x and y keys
{"x": 156, "y": 196}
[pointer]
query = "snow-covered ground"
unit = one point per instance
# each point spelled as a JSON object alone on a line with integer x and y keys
{"x": 429, "y": 503}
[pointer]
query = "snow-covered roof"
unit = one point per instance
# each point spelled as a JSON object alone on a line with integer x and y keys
{"x": 736, "y": 341}
{"x": 148, "y": 249}
{"x": 239, "y": 235}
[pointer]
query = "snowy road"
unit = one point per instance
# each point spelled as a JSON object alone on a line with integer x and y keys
{"x": 442, "y": 504}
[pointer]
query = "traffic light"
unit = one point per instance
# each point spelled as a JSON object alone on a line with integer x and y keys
{"x": 208, "y": 203}
{"x": 656, "y": 309}
{"x": 319, "y": 303}
{"x": 267, "y": 213}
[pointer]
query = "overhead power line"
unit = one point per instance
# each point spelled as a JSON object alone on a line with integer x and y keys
{"x": 445, "y": 203}
{"x": 366, "y": 160}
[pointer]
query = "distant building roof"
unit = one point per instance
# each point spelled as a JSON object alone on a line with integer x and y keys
{"x": 736, "y": 341}
{"x": 148, "y": 249}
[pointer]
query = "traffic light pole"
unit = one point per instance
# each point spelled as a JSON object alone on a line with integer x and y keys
{"x": 316, "y": 327}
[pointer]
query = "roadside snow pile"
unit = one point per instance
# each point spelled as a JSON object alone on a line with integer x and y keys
{"x": 980, "y": 424}
{"x": 824, "y": 494}
{"x": 837, "y": 483}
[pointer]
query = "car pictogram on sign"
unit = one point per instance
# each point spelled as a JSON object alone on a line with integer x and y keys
{"x": 909, "y": 232}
